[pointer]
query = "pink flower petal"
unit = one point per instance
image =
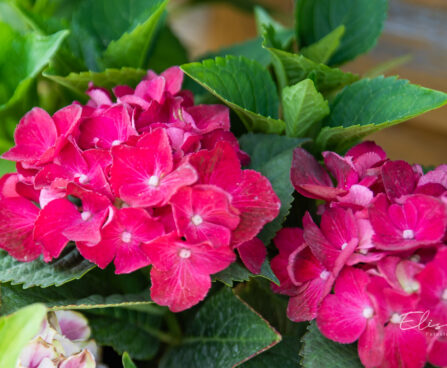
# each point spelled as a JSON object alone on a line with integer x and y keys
{"x": 208, "y": 118}
{"x": 52, "y": 221}
{"x": 35, "y": 135}
{"x": 73, "y": 325}
{"x": 310, "y": 179}
{"x": 371, "y": 347}
{"x": 204, "y": 212}
{"x": 84, "y": 359}
{"x": 253, "y": 254}
{"x": 399, "y": 179}
{"x": 17, "y": 218}
{"x": 421, "y": 220}
{"x": 123, "y": 240}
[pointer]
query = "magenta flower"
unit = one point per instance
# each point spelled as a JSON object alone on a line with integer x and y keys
{"x": 287, "y": 240}
{"x": 181, "y": 270}
{"x": 252, "y": 194}
{"x": 313, "y": 282}
{"x": 39, "y": 138}
{"x": 253, "y": 254}
{"x": 420, "y": 220}
{"x": 122, "y": 240}
{"x": 351, "y": 314}
{"x": 145, "y": 175}
{"x": 399, "y": 179}
{"x": 433, "y": 281}
{"x": 335, "y": 240}
{"x": 204, "y": 213}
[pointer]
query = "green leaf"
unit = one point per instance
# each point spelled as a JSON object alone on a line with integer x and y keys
{"x": 99, "y": 24}
{"x": 245, "y": 86}
{"x": 272, "y": 156}
{"x": 126, "y": 330}
{"x": 298, "y": 67}
{"x": 223, "y": 333}
{"x": 127, "y": 361}
{"x": 131, "y": 48}
{"x": 16, "y": 330}
{"x": 320, "y": 352}
{"x": 6, "y": 167}
{"x": 322, "y": 50}
{"x": 363, "y": 20}
{"x": 168, "y": 51}
{"x": 283, "y": 355}
{"x": 78, "y": 82}
{"x": 237, "y": 272}
{"x": 70, "y": 296}
{"x": 304, "y": 108}
{"x": 251, "y": 49}
{"x": 264, "y": 20}
{"x": 22, "y": 58}
{"x": 371, "y": 105}
{"x": 69, "y": 266}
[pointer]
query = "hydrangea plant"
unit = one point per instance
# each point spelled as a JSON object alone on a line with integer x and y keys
{"x": 218, "y": 212}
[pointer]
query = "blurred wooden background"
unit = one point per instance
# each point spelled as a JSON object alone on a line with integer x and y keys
{"x": 414, "y": 27}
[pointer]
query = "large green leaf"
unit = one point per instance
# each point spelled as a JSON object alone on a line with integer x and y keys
{"x": 22, "y": 57}
{"x": 223, "y": 333}
{"x": 320, "y": 352}
{"x": 70, "y": 266}
{"x": 245, "y": 86}
{"x": 126, "y": 330}
{"x": 322, "y": 50}
{"x": 121, "y": 25}
{"x": 272, "y": 156}
{"x": 16, "y": 330}
{"x": 78, "y": 82}
{"x": 297, "y": 68}
{"x": 70, "y": 296}
{"x": 304, "y": 108}
{"x": 97, "y": 289}
{"x": 363, "y": 20}
{"x": 371, "y": 105}
{"x": 131, "y": 48}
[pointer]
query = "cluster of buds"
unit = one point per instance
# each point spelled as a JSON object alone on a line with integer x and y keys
{"x": 375, "y": 269}
{"x": 147, "y": 179}
{"x": 62, "y": 342}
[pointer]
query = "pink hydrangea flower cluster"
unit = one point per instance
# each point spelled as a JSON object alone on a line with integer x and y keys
{"x": 148, "y": 179}
{"x": 375, "y": 269}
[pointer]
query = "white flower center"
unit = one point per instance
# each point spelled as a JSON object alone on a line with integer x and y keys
{"x": 83, "y": 179}
{"x": 95, "y": 140}
{"x": 116, "y": 142}
{"x": 86, "y": 215}
{"x": 126, "y": 237}
{"x": 395, "y": 318}
{"x": 368, "y": 312}
{"x": 344, "y": 245}
{"x": 416, "y": 258}
{"x": 197, "y": 220}
{"x": 363, "y": 251}
{"x": 154, "y": 181}
{"x": 444, "y": 295}
{"x": 184, "y": 253}
{"x": 412, "y": 287}
{"x": 324, "y": 275}
{"x": 408, "y": 234}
